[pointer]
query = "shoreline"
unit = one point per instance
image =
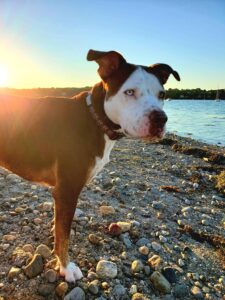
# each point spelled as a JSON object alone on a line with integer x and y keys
{"x": 166, "y": 193}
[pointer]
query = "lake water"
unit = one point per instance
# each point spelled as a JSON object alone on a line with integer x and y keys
{"x": 203, "y": 120}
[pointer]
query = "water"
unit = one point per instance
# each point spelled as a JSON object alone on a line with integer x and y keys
{"x": 203, "y": 120}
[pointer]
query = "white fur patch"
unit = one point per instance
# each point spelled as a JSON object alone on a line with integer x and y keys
{"x": 71, "y": 272}
{"x": 132, "y": 112}
{"x": 101, "y": 162}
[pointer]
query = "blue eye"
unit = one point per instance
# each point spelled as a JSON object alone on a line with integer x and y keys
{"x": 129, "y": 92}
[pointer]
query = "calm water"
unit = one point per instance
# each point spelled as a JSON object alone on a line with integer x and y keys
{"x": 202, "y": 120}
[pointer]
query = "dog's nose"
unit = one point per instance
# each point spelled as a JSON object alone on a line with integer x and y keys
{"x": 158, "y": 117}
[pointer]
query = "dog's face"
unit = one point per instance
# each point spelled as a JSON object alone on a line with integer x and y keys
{"x": 135, "y": 94}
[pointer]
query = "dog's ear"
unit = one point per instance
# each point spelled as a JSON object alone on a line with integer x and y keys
{"x": 108, "y": 62}
{"x": 163, "y": 71}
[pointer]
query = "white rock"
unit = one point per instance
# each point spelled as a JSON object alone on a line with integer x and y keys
{"x": 106, "y": 269}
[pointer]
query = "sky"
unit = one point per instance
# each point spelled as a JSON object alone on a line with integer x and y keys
{"x": 44, "y": 43}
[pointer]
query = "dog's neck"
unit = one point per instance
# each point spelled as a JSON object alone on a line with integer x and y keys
{"x": 96, "y": 107}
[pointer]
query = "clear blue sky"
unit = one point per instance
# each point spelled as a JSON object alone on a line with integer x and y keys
{"x": 44, "y": 42}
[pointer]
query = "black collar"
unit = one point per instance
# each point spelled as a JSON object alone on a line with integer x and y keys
{"x": 108, "y": 130}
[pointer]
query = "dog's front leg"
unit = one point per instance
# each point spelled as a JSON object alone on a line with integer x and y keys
{"x": 65, "y": 205}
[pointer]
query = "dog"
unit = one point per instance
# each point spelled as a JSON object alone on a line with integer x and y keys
{"x": 65, "y": 142}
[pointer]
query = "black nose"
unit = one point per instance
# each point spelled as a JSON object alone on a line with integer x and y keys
{"x": 158, "y": 117}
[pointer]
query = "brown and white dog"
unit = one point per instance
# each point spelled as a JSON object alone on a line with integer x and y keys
{"x": 64, "y": 142}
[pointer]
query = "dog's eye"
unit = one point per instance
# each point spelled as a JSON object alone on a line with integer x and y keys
{"x": 129, "y": 92}
{"x": 161, "y": 95}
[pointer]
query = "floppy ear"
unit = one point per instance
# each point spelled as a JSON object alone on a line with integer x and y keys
{"x": 163, "y": 71}
{"x": 108, "y": 62}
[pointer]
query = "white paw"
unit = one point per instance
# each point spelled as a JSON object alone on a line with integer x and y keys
{"x": 71, "y": 272}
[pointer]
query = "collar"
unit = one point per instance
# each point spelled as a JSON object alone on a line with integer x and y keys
{"x": 110, "y": 132}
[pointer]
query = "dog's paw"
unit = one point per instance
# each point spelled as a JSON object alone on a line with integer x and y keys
{"x": 71, "y": 272}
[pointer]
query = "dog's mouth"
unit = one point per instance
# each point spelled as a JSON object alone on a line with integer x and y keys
{"x": 154, "y": 134}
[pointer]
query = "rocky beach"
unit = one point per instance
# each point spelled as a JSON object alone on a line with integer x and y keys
{"x": 149, "y": 226}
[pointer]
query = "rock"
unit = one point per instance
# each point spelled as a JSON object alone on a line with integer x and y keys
{"x": 181, "y": 290}
{"x": 160, "y": 282}
{"x": 37, "y": 221}
{"x": 119, "y": 291}
{"x": 143, "y": 250}
{"x": 61, "y": 289}
{"x": 44, "y": 251}
{"x": 114, "y": 229}
{"x": 93, "y": 287}
{"x": 94, "y": 239}
{"x": 51, "y": 275}
{"x": 106, "y": 269}
{"x": 125, "y": 239}
{"x": 169, "y": 274}
{"x": 154, "y": 261}
{"x": 13, "y": 272}
{"x": 76, "y": 294}
{"x": 28, "y": 248}
{"x": 9, "y": 237}
{"x": 106, "y": 210}
{"x": 138, "y": 296}
{"x": 142, "y": 242}
{"x": 46, "y": 289}
{"x": 181, "y": 263}
{"x": 147, "y": 270}
{"x": 78, "y": 213}
{"x": 133, "y": 289}
{"x": 156, "y": 246}
{"x": 35, "y": 267}
{"x": 196, "y": 292}
{"x": 125, "y": 226}
{"x": 47, "y": 206}
{"x": 157, "y": 205}
{"x": 92, "y": 276}
{"x": 137, "y": 266}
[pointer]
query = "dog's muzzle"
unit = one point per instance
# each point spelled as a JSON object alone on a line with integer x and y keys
{"x": 157, "y": 119}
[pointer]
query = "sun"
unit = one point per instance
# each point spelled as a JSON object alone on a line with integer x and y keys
{"x": 3, "y": 76}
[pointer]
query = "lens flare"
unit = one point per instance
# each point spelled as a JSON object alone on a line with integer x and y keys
{"x": 3, "y": 76}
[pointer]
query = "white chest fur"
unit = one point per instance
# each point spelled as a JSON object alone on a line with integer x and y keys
{"x": 101, "y": 161}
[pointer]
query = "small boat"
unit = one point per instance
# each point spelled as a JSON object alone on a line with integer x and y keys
{"x": 217, "y": 96}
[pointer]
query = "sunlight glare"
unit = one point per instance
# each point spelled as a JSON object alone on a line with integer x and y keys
{"x": 3, "y": 76}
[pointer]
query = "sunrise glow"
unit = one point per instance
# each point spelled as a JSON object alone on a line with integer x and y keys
{"x": 3, "y": 76}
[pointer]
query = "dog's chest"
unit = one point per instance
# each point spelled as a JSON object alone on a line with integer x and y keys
{"x": 100, "y": 162}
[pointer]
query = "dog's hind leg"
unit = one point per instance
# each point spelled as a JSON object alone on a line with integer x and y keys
{"x": 65, "y": 205}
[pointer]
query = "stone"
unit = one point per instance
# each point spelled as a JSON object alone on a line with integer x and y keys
{"x": 125, "y": 239}
{"x": 44, "y": 251}
{"x": 139, "y": 296}
{"x": 28, "y": 248}
{"x": 125, "y": 226}
{"x": 196, "y": 292}
{"x": 170, "y": 274}
{"x": 181, "y": 263}
{"x": 75, "y": 294}
{"x": 78, "y": 213}
{"x": 181, "y": 291}
{"x": 93, "y": 287}
{"x": 51, "y": 275}
{"x": 106, "y": 210}
{"x": 137, "y": 266}
{"x": 9, "y": 237}
{"x": 94, "y": 239}
{"x": 156, "y": 246}
{"x": 47, "y": 206}
{"x": 133, "y": 289}
{"x": 13, "y": 272}
{"x": 35, "y": 267}
{"x": 61, "y": 289}
{"x": 46, "y": 289}
{"x": 114, "y": 229}
{"x": 160, "y": 282}
{"x": 143, "y": 250}
{"x": 119, "y": 291}
{"x": 142, "y": 242}
{"x": 154, "y": 261}
{"x": 106, "y": 269}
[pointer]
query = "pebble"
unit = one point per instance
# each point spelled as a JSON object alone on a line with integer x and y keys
{"x": 51, "y": 275}
{"x": 162, "y": 239}
{"x": 137, "y": 266}
{"x": 119, "y": 291}
{"x": 157, "y": 205}
{"x": 44, "y": 251}
{"x": 133, "y": 289}
{"x": 139, "y": 296}
{"x": 93, "y": 239}
{"x": 114, "y": 229}
{"x": 47, "y": 206}
{"x": 143, "y": 250}
{"x": 37, "y": 221}
{"x": 107, "y": 210}
{"x": 76, "y": 294}
{"x": 46, "y": 289}
{"x": 181, "y": 263}
{"x": 142, "y": 242}
{"x": 125, "y": 226}
{"x": 9, "y": 237}
{"x": 160, "y": 282}
{"x": 125, "y": 239}
{"x": 169, "y": 274}
{"x": 181, "y": 290}
{"x": 93, "y": 287}
{"x": 35, "y": 267}
{"x": 61, "y": 289}
{"x": 106, "y": 269}
{"x": 13, "y": 272}
{"x": 28, "y": 248}
{"x": 196, "y": 292}
{"x": 156, "y": 246}
{"x": 154, "y": 261}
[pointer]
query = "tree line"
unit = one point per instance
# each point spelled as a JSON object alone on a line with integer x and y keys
{"x": 69, "y": 92}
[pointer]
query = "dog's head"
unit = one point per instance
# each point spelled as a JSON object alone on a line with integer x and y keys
{"x": 134, "y": 94}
